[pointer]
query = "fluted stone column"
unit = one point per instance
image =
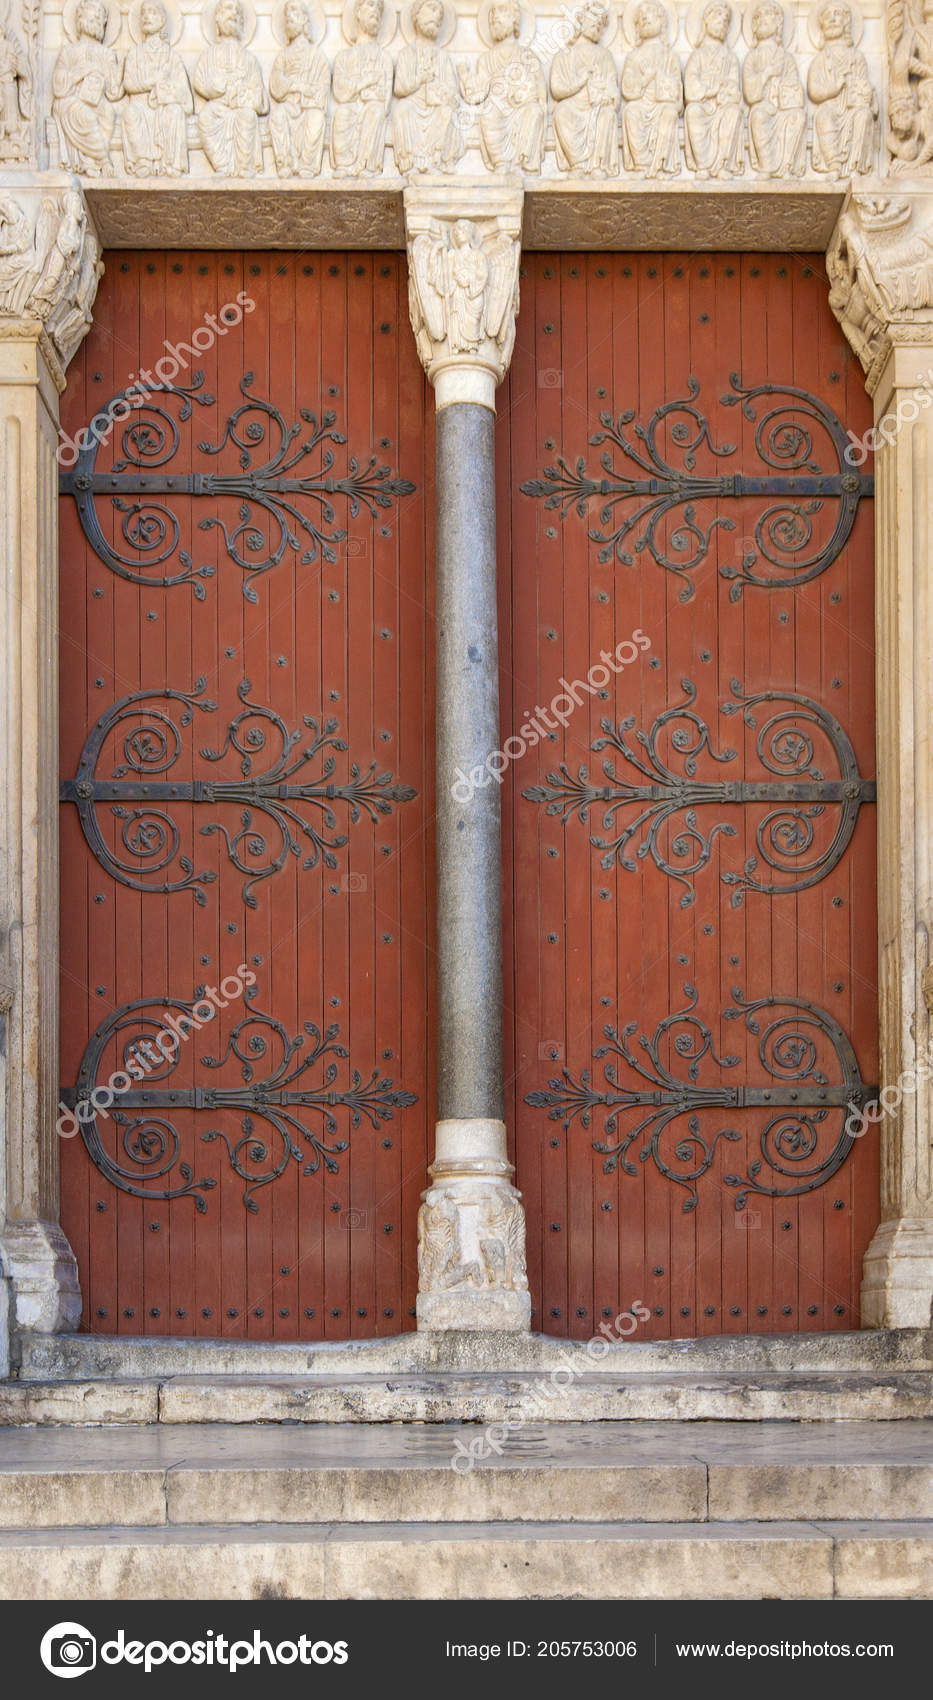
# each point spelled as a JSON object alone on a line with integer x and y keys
{"x": 49, "y": 268}
{"x": 880, "y": 265}
{"x": 463, "y": 254}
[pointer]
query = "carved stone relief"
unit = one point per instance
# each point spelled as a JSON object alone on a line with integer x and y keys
{"x": 85, "y": 84}
{"x": 299, "y": 85}
{"x": 362, "y": 90}
{"x": 653, "y": 91}
{"x": 49, "y": 265}
{"x": 910, "y": 83}
{"x": 16, "y": 97}
{"x": 427, "y": 128}
{"x": 508, "y": 83}
{"x": 880, "y": 269}
{"x": 471, "y": 1239}
{"x": 841, "y": 90}
{"x": 777, "y": 118}
{"x": 713, "y": 113}
{"x": 158, "y": 96}
{"x": 228, "y": 79}
{"x": 587, "y": 96}
{"x": 463, "y": 286}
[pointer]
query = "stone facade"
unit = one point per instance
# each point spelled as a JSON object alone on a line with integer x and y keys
{"x": 463, "y": 132}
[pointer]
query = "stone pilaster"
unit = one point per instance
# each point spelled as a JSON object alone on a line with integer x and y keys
{"x": 463, "y": 253}
{"x": 49, "y": 267}
{"x": 880, "y": 265}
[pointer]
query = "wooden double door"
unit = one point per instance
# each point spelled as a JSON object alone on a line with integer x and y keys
{"x": 247, "y": 796}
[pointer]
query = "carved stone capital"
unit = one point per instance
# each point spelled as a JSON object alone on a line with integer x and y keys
{"x": 464, "y": 244}
{"x": 880, "y": 269}
{"x": 50, "y": 265}
{"x": 471, "y": 1234}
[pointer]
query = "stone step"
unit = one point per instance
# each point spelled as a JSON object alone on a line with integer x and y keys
{"x": 446, "y": 1396}
{"x": 454, "y": 1561}
{"x": 179, "y": 1475}
{"x": 96, "y": 1357}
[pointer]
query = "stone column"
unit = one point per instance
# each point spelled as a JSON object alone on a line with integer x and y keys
{"x": 49, "y": 268}
{"x": 880, "y": 265}
{"x": 463, "y": 254}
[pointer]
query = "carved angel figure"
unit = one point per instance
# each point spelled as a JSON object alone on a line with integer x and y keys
{"x": 587, "y": 98}
{"x": 910, "y": 92}
{"x": 159, "y": 100}
{"x": 299, "y": 84}
{"x": 362, "y": 92}
{"x": 777, "y": 119}
{"x": 229, "y": 80}
{"x": 509, "y": 83}
{"x": 713, "y": 115}
{"x": 846, "y": 104}
{"x": 653, "y": 91}
{"x": 18, "y": 263}
{"x": 85, "y": 81}
{"x": 462, "y": 290}
{"x": 15, "y": 98}
{"x": 426, "y": 131}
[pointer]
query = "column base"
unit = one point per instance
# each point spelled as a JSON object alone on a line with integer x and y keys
{"x": 471, "y": 1235}
{"x": 43, "y": 1278}
{"x": 897, "y": 1275}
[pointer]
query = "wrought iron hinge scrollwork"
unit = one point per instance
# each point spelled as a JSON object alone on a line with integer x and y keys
{"x": 139, "y": 485}
{"x": 282, "y": 1099}
{"x": 786, "y": 836}
{"x": 140, "y": 795}
{"x": 795, "y": 488}
{"x": 808, "y": 1132}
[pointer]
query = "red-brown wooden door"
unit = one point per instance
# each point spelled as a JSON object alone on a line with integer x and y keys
{"x": 247, "y": 775}
{"x": 708, "y": 963}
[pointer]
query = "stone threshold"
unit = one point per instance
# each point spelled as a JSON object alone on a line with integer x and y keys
{"x": 627, "y": 1561}
{"x": 99, "y": 1357}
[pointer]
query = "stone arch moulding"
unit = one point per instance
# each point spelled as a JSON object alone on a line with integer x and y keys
{"x": 79, "y": 174}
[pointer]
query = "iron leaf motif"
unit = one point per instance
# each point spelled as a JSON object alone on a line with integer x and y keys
{"x": 282, "y": 1098}
{"x": 274, "y": 491}
{"x": 785, "y": 552}
{"x": 801, "y": 1146}
{"x": 636, "y": 813}
{"x": 277, "y": 800}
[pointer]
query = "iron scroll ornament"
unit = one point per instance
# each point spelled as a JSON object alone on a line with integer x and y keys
{"x": 152, "y": 745}
{"x": 785, "y": 553}
{"x": 150, "y": 1145}
{"x": 785, "y": 836}
{"x": 150, "y": 528}
{"x": 794, "y": 1048}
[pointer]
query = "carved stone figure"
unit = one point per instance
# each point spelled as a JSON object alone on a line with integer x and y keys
{"x": 653, "y": 91}
{"x": 586, "y": 98}
{"x": 509, "y": 82}
{"x": 841, "y": 91}
{"x": 15, "y": 99}
{"x": 910, "y": 84}
{"x": 880, "y": 270}
{"x": 471, "y": 1240}
{"x": 463, "y": 292}
{"x": 49, "y": 273}
{"x": 362, "y": 93}
{"x": 426, "y": 129}
{"x": 85, "y": 82}
{"x": 713, "y": 114}
{"x": 777, "y": 119}
{"x": 158, "y": 102}
{"x": 229, "y": 80}
{"x": 299, "y": 84}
